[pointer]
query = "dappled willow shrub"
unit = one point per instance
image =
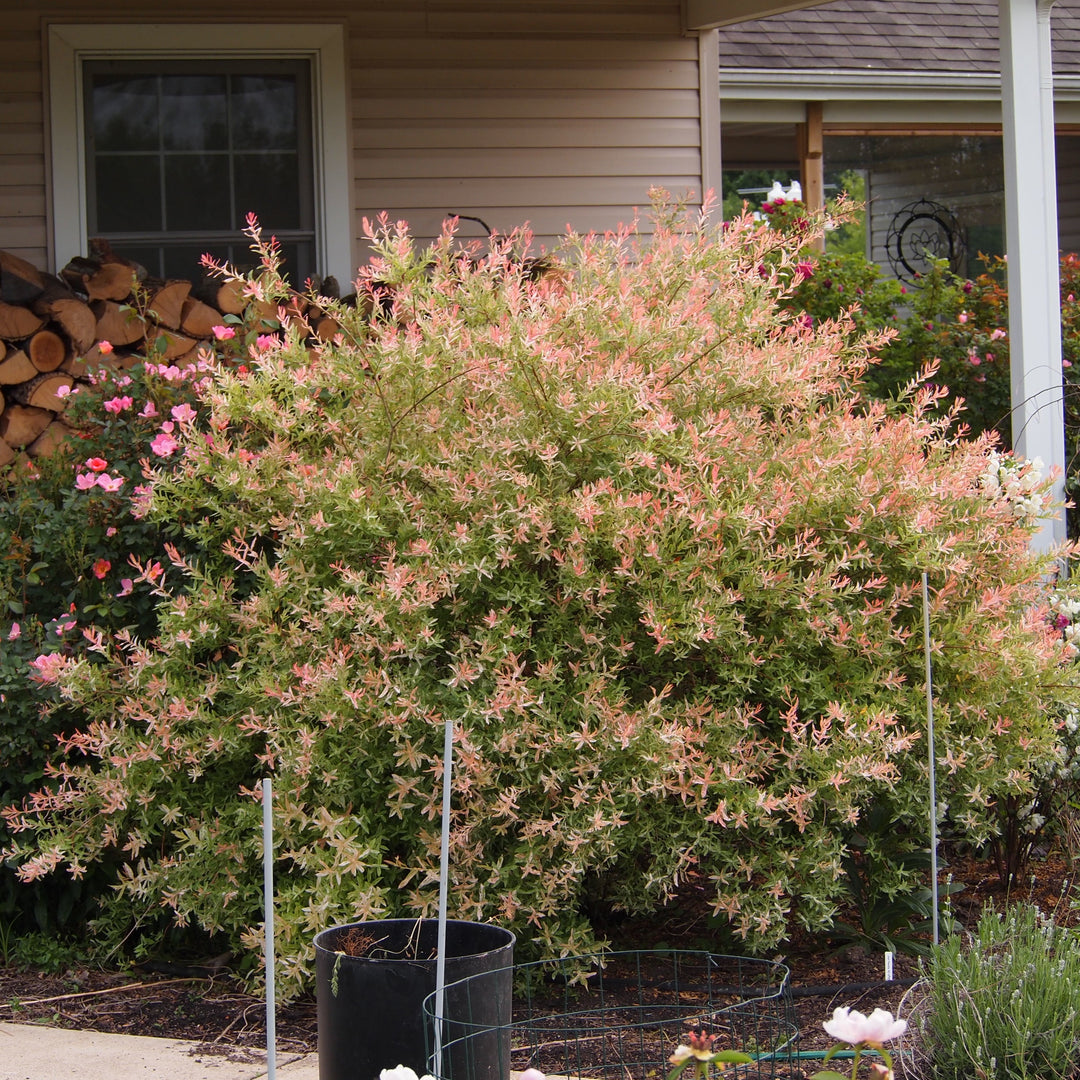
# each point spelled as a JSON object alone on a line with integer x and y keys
{"x": 632, "y": 529}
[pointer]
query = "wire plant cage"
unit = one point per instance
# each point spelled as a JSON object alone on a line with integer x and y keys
{"x": 617, "y": 1016}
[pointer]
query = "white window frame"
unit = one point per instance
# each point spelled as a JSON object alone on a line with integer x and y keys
{"x": 322, "y": 45}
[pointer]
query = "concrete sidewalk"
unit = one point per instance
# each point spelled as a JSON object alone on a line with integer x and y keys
{"x": 35, "y": 1052}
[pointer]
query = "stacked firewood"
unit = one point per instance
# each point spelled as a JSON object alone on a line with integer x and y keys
{"x": 52, "y": 328}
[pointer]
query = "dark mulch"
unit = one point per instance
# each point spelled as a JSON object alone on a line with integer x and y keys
{"x": 216, "y": 1012}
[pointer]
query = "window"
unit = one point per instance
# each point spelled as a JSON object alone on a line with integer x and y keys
{"x": 162, "y": 143}
{"x": 176, "y": 157}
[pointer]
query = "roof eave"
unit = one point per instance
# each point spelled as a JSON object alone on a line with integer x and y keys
{"x": 809, "y": 84}
{"x": 709, "y": 14}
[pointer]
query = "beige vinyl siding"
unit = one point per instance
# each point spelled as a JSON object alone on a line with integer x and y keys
{"x": 553, "y": 128}
{"x": 23, "y": 202}
{"x": 554, "y": 113}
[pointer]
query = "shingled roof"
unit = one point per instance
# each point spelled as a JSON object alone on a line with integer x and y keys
{"x": 890, "y": 35}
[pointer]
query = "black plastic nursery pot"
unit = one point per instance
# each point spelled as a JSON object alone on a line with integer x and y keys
{"x": 370, "y": 1005}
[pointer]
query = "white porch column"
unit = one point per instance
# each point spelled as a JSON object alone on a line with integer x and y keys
{"x": 1027, "y": 94}
{"x": 709, "y": 113}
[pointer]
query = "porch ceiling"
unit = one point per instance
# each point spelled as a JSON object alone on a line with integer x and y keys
{"x": 706, "y": 14}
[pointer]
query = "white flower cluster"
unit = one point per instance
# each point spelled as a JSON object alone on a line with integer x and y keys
{"x": 1059, "y": 774}
{"x": 1018, "y": 483}
{"x": 1065, "y": 616}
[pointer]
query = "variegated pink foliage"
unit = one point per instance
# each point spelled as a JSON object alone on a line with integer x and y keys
{"x": 630, "y": 528}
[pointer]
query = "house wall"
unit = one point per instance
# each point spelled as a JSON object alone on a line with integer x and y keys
{"x": 554, "y": 113}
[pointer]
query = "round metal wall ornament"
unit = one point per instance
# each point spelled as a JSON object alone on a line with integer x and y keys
{"x": 922, "y": 231}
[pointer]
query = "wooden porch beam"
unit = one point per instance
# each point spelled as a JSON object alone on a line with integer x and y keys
{"x": 809, "y": 136}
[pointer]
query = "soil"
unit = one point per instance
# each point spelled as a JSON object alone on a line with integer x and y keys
{"x": 214, "y": 1011}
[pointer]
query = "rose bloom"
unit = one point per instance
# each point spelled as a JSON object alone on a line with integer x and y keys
{"x": 105, "y": 347}
{"x": 101, "y": 568}
{"x": 110, "y": 483}
{"x": 96, "y": 463}
{"x": 853, "y": 1027}
{"x": 86, "y": 481}
{"x": 47, "y": 667}
{"x": 223, "y": 333}
{"x": 164, "y": 444}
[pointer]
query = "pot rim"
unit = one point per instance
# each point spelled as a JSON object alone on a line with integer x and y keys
{"x": 509, "y": 942}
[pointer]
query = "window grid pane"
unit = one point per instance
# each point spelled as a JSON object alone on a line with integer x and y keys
{"x": 177, "y": 158}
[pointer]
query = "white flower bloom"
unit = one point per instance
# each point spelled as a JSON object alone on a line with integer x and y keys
{"x": 853, "y": 1027}
{"x": 401, "y": 1072}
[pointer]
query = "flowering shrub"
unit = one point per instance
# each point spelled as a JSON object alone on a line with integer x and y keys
{"x": 630, "y": 527}
{"x": 74, "y": 549}
{"x": 962, "y": 324}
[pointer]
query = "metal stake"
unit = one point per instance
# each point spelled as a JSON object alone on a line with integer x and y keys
{"x": 444, "y": 880}
{"x": 268, "y": 908}
{"x": 933, "y": 763}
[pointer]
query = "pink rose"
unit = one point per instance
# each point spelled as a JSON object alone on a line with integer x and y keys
{"x": 85, "y": 481}
{"x": 223, "y": 333}
{"x": 47, "y": 667}
{"x": 118, "y": 404}
{"x": 126, "y": 585}
{"x": 15, "y": 632}
{"x": 101, "y": 568}
{"x": 105, "y": 347}
{"x": 183, "y": 413}
{"x": 110, "y": 483}
{"x": 164, "y": 445}
{"x": 149, "y": 410}
{"x": 96, "y": 463}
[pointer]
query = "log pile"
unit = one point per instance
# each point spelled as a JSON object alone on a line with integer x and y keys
{"x": 51, "y": 327}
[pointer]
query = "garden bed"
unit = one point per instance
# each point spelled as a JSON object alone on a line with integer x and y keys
{"x": 186, "y": 1003}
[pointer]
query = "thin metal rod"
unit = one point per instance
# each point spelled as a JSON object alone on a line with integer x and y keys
{"x": 444, "y": 882}
{"x": 268, "y": 909}
{"x": 933, "y": 759}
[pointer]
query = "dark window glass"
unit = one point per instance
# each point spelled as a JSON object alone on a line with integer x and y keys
{"x": 125, "y": 114}
{"x": 197, "y": 193}
{"x": 129, "y": 193}
{"x": 195, "y": 112}
{"x": 268, "y": 184}
{"x": 264, "y": 113}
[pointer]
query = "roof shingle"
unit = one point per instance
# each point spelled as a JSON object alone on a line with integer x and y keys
{"x": 956, "y": 36}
